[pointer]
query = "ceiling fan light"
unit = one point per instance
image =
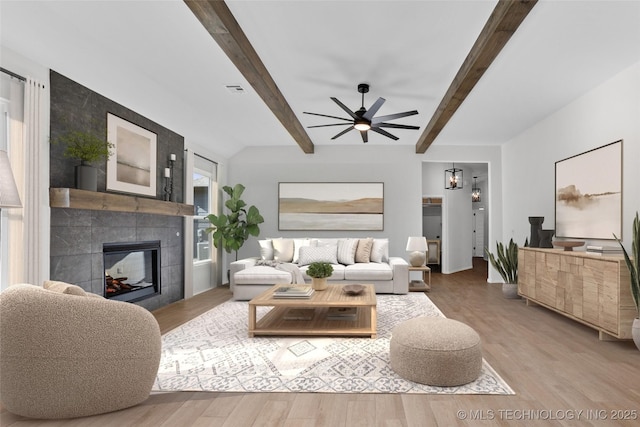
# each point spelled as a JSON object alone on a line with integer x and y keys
{"x": 362, "y": 126}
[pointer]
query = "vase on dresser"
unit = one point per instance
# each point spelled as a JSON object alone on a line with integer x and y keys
{"x": 635, "y": 332}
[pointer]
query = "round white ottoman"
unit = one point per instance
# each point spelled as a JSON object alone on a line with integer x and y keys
{"x": 436, "y": 351}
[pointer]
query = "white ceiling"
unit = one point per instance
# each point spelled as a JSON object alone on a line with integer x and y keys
{"x": 155, "y": 58}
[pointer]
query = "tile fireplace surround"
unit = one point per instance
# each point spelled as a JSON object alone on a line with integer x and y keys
{"x": 77, "y": 236}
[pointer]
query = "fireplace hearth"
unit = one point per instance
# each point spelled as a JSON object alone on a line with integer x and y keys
{"x": 131, "y": 270}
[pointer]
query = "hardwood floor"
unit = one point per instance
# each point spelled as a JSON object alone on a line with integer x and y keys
{"x": 562, "y": 374}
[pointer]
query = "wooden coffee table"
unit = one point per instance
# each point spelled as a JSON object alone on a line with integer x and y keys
{"x": 274, "y": 322}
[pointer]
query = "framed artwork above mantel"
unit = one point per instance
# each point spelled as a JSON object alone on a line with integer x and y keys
{"x": 331, "y": 206}
{"x": 588, "y": 202}
{"x": 132, "y": 167}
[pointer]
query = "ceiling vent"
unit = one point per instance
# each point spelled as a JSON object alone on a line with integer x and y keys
{"x": 237, "y": 89}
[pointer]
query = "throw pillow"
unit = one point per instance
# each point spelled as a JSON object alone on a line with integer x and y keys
{"x": 297, "y": 244}
{"x": 309, "y": 254}
{"x": 266, "y": 249}
{"x": 380, "y": 250}
{"x": 347, "y": 251}
{"x": 64, "y": 288}
{"x": 363, "y": 252}
{"x": 282, "y": 250}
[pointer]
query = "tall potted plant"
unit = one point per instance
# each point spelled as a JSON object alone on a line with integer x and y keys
{"x": 634, "y": 273}
{"x": 230, "y": 231}
{"x": 319, "y": 271}
{"x": 88, "y": 148}
{"x": 506, "y": 263}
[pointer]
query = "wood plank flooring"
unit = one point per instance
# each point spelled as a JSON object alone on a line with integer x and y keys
{"x": 562, "y": 374}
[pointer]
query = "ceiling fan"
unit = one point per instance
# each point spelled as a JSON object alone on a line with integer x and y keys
{"x": 364, "y": 120}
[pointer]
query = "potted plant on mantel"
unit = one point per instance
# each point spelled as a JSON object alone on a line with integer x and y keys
{"x": 88, "y": 148}
{"x": 634, "y": 273}
{"x": 232, "y": 230}
{"x": 506, "y": 264}
{"x": 319, "y": 271}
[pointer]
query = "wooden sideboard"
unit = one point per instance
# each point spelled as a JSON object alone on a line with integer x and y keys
{"x": 589, "y": 288}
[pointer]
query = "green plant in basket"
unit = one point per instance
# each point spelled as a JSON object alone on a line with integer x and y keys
{"x": 319, "y": 270}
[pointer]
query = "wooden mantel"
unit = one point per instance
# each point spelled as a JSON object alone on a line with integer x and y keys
{"x": 97, "y": 201}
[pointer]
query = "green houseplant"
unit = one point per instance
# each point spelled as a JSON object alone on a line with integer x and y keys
{"x": 634, "y": 273}
{"x": 319, "y": 271}
{"x": 506, "y": 263}
{"x": 88, "y": 148}
{"x": 230, "y": 231}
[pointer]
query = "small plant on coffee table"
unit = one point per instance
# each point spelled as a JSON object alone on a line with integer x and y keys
{"x": 319, "y": 271}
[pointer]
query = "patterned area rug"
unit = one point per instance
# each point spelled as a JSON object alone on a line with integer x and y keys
{"x": 213, "y": 353}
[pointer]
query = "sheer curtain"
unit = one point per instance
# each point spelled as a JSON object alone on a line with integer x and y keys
{"x": 27, "y": 143}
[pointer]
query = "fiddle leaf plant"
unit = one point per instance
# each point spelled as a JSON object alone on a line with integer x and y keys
{"x": 633, "y": 264}
{"x": 231, "y": 230}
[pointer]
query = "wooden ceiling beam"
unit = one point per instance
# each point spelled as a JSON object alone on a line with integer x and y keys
{"x": 503, "y": 22}
{"x": 217, "y": 19}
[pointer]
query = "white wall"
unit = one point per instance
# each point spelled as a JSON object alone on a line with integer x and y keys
{"x": 603, "y": 115}
{"x": 459, "y": 252}
{"x": 398, "y": 167}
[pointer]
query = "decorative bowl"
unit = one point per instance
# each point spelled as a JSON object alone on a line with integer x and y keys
{"x": 353, "y": 289}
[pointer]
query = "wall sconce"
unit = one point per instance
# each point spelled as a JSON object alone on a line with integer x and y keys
{"x": 453, "y": 178}
{"x": 475, "y": 190}
{"x": 9, "y": 197}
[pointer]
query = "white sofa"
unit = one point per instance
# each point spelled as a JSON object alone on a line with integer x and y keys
{"x": 354, "y": 261}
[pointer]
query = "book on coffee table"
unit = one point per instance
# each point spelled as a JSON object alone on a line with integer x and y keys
{"x": 299, "y": 314}
{"x": 293, "y": 292}
{"x": 342, "y": 313}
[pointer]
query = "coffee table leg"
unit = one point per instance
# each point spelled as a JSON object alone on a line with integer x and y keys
{"x": 252, "y": 319}
{"x": 374, "y": 322}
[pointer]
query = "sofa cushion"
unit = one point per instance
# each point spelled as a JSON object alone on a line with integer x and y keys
{"x": 363, "y": 252}
{"x": 380, "y": 250}
{"x": 347, "y": 251}
{"x": 64, "y": 288}
{"x": 368, "y": 271}
{"x": 297, "y": 244}
{"x": 261, "y": 275}
{"x": 309, "y": 254}
{"x": 266, "y": 249}
{"x": 283, "y": 250}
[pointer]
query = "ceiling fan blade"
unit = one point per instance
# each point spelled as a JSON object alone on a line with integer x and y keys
{"x": 394, "y": 116}
{"x": 374, "y": 109}
{"x": 365, "y": 137}
{"x": 343, "y": 132}
{"x": 393, "y": 125}
{"x": 331, "y": 117}
{"x": 333, "y": 124}
{"x": 385, "y": 133}
{"x": 345, "y": 108}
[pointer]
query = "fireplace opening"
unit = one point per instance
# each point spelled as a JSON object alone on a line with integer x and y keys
{"x": 131, "y": 270}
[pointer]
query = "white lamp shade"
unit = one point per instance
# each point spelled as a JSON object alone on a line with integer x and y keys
{"x": 9, "y": 197}
{"x": 417, "y": 244}
{"x": 418, "y": 248}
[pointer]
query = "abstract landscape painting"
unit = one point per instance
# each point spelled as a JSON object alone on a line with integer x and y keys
{"x": 589, "y": 194}
{"x": 331, "y": 206}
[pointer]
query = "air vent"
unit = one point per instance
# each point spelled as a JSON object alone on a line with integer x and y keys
{"x": 237, "y": 89}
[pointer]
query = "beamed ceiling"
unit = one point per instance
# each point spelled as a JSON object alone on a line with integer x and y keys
{"x": 478, "y": 72}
